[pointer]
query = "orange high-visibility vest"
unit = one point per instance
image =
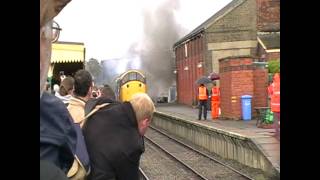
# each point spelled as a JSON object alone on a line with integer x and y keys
{"x": 215, "y": 96}
{"x": 203, "y": 93}
{"x": 275, "y": 95}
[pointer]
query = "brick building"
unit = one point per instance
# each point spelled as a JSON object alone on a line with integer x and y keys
{"x": 239, "y": 76}
{"x": 242, "y": 28}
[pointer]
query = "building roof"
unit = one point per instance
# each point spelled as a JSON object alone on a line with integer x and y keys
{"x": 225, "y": 10}
{"x": 270, "y": 40}
{"x": 67, "y": 52}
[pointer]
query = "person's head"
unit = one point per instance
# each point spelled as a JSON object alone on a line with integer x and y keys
{"x": 214, "y": 83}
{"x": 107, "y": 92}
{"x": 83, "y": 84}
{"x": 48, "y": 34}
{"x": 144, "y": 109}
{"x": 66, "y": 86}
{"x": 201, "y": 85}
{"x": 56, "y": 88}
{"x": 95, "y": 92}
{"x": 62, "y": 76}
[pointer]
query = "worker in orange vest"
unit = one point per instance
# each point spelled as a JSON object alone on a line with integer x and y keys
{"x": 203, "y": 98}
{"x": 215, "y": 101}
{"x": 274, "y": 92}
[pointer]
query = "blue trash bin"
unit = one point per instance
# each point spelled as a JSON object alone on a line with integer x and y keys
{"x": 246, "y": 107}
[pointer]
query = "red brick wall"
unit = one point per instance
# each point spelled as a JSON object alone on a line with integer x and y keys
{"x": 236, "y": 79}
{"x": 267, "y": 56}
{"x": 186, "y": 78}
{"x": 225, "y": 89}
{"x": 268, "y": 15}
{"x": 238, "y": 76}
{"x": 259, "y": 98}
{"x": 273, "y": 56}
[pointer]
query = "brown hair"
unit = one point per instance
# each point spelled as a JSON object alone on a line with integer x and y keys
{"x": 106, "y": 91}
{"x": 66, "y": 85}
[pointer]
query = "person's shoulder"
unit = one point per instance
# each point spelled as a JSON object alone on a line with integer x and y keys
{"x": 128, "y": 109}
{"x": 90, "y": 104}
{"x": 54, "y": 113}
{"x": 51, "y": 103}
{"x": 48, "y": 98}
{"x": 111, "y": 110}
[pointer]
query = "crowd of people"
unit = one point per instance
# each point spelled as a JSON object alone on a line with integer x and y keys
{"x": 85, "y": 133}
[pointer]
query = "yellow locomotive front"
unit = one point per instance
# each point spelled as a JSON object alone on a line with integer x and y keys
{"x": 130, "y": 83}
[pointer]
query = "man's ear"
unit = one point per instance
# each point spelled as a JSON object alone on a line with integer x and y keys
{"x": 145, "y": 122}
{"x": 143, "y": 126}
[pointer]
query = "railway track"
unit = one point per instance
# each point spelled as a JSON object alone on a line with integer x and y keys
{"x": 158, "y": 164}
{"x": 200, "y": 164}
{"x": 142, "y": 175}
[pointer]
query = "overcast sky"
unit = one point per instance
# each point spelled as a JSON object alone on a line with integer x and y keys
{"x": 109, "y": 28}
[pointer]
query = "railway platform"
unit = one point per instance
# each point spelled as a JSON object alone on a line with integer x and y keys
{"x": 263, "y": 138}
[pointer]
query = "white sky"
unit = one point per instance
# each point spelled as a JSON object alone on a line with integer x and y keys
{"x": 108, "y": 28}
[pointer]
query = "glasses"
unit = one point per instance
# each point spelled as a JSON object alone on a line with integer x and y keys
{"x": 51, "y": 31}
{"x": 55, "y": 31}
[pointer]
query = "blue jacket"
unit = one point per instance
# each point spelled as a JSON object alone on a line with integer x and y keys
{"x": 58, "y": 136}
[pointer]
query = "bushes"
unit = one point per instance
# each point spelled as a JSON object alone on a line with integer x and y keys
{"x": 274, "y": 66}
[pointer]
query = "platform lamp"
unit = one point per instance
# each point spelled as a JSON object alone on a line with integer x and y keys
{"x": 199, "y": 65}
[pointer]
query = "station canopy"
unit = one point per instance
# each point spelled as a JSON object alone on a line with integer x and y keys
{"x": 67, "y": 52}
{"x": 269, "y": 40}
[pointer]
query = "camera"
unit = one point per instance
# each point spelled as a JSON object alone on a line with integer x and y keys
{"x": 94, "y": 94}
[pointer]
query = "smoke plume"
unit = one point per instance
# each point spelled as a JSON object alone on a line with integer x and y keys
{"x": 153, "y": 54}
{"x": 161, "y": 31}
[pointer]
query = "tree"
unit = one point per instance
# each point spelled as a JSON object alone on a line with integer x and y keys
{"x": 94, "y": 67}
{"x": 274, "y": 66}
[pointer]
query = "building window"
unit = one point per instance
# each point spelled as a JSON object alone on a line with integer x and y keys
{"x": 185, "y": 50}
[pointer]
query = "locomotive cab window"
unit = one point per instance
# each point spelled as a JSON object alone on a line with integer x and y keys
{"x": 132, "y": 76}
{"x": 140, "y": 78}
{"x": 125, "y": 79}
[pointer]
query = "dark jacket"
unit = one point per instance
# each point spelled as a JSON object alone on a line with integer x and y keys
{"x": 81, "y": 149}
{"x": 113, "y": 142}
{"x": 57, "y": 133}
{"x": 48, "y": 171}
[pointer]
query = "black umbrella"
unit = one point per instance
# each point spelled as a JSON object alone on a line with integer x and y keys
{"x": 203, "y": 80}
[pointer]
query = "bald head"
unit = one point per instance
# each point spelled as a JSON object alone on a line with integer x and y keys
{"x": 50, "y": 9}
